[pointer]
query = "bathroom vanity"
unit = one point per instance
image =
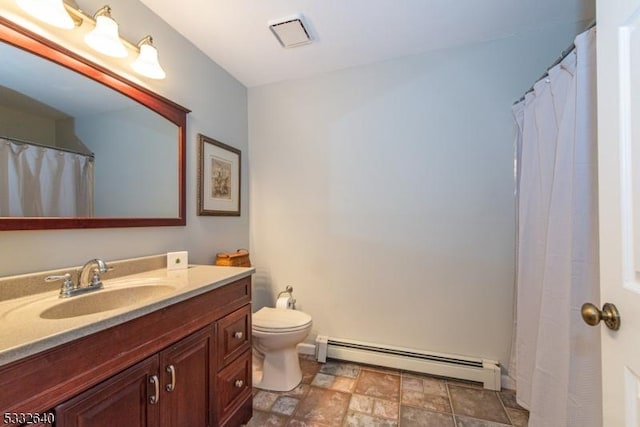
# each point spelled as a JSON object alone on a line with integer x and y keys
{"x": 182, "y": 358}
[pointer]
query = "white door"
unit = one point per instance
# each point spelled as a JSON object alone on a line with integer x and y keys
{"x": 618, "y": 53}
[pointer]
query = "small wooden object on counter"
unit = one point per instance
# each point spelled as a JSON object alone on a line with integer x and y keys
{"x": 239, "y": 258}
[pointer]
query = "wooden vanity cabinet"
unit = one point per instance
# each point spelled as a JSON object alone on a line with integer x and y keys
{"x": 188, "y": 364}
{"x": 182, "y": 374}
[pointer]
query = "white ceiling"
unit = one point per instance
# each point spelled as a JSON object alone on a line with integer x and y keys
{"x": 346, "y": 33}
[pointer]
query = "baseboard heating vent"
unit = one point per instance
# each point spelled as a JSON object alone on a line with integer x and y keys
{"x": 466, "y": 368}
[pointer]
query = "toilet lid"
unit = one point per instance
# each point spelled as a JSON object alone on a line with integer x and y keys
{"x": 268, "y": 318}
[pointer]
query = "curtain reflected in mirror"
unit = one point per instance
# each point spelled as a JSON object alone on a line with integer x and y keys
{"x": 44, "y": 182}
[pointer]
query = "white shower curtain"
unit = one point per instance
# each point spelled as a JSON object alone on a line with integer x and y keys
{"x": 44, "y": 182}
{"x": 556, "y": 355}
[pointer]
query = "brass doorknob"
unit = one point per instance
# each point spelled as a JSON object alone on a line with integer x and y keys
{"x": 592, "y": 316}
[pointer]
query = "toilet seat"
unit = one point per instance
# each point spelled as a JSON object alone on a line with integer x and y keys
{"x": 279, "y": 320}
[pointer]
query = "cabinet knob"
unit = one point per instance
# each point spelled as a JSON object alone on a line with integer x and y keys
{"x": 239, "y": 383}
{"x": 238, "y": 335}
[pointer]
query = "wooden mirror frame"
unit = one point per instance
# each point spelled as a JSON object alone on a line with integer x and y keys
{"x": 18, "y": 36}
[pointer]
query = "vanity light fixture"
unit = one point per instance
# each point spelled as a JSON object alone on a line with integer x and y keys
{"x": 147, "y": 62}
{"x": 105, "y": 37}
{"x": 52, "y": 12}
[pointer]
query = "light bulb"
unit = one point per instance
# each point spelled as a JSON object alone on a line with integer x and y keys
{"x": 147, "y": 62}
{"x": 105, "y": 37}
{"x": 52, "y": 12}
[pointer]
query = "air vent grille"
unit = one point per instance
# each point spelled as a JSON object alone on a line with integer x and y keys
{"x": 290, "y": 32}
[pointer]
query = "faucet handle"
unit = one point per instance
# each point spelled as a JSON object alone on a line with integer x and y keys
{"x": 95, "y": 275}
{"x": 67, "y": 285}
{"x": 66, "y": 277}
{"x": 95, "y": 278}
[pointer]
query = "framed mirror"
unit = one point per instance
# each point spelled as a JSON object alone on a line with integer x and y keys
{"x": 117, "y": 150}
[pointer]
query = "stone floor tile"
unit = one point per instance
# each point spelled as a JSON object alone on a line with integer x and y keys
{"x": 435, "y": 386}
{"x": 416, "y": 417}
{"x": 508, "y": 397}
{"x": 426, "y": 401}
{"x": 340, "y": 369}
{"x": 361, "y": 403}
{"x": 285, "y": 405}
{"x": 323, "y": 380}
{"x": 475, "y": 403}
{"x": 378, "y": 384}
{"x": 412, "y": 384}
{"x": 473, "y": 422}
{"x": 294, "y": 422}
{"x": 344, "y": 384}
{"x": 299, "y": 392}
{"x": 264, "y": 399}
{"x": 383, "y": 369}
{"x": 356, "y": 419}
{"x": 323, "y": 406}
{"x": 463, "y": 383}
{"x": 309, "y": 368}
{"x": 266, "y": 419}
{"x": 519, "y": 418}
{"x": 386, "y": 408}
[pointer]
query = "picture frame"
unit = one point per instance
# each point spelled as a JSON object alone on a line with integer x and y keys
{"x": 218, "y": 178}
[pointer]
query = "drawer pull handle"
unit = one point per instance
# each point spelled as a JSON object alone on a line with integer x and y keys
{"x": 239, "y": 383}
{"x": 170, "y": 387}
{"x": 238, "y": 335}
{"x": 153, "y": 379}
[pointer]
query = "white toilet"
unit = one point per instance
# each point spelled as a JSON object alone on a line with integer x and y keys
{"x": 276, "y": 333}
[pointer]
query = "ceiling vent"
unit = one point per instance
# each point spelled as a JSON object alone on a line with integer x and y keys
{"x": 290, "y": 32}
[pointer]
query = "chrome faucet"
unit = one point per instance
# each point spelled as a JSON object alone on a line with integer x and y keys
{"x": 83, "y": 283}
{"x": 95, "y": 283}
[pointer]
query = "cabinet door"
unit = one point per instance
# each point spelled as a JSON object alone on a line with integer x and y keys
{"x": 126, "y": 399}
{"x": 185, "y": 368}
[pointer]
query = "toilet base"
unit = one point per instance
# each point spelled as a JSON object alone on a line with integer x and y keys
{"x": 277, "y": 370}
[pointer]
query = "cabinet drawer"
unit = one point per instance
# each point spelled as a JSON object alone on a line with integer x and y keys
{"x": 233, "y": 385}
{"x": 233, "y": 335}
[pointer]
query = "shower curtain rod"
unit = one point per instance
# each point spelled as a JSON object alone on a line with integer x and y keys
{"x": 563, "y": 55}
{"x": 35, "y": 144}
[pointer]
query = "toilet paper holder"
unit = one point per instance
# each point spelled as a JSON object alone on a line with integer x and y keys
{"x": 288, "y": 290}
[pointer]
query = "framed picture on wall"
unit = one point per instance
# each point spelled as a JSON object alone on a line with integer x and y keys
{"x": 218, "y": 178}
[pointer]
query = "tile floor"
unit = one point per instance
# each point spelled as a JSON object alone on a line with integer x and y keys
{"x": 337, "y": 394}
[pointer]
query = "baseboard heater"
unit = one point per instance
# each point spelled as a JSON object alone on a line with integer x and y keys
{"x": 484, "y": 371}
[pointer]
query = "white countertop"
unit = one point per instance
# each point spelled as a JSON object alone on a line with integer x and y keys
{"x": 24, "y": 332}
